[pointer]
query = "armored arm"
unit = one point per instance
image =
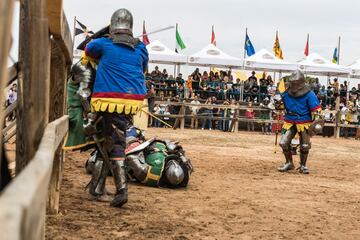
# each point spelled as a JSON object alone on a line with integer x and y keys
{"x": 84, "y": 75}
{"x": 278, "y": 102}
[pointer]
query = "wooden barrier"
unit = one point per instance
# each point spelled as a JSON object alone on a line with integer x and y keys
{"x": 23, "y": 202}
{"x": 182, "y": 116}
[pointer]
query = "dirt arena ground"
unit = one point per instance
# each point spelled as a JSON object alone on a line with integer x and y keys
{"x": 234, "y": 193}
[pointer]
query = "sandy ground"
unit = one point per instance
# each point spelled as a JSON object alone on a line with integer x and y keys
{"x": 234, "y": 193}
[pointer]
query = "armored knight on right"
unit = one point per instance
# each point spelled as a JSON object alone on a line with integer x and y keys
{"x": 302, "y": 116}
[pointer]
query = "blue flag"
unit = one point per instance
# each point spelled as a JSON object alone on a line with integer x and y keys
{"x": 335, "y": 56}
{"x": 249, "y": 48}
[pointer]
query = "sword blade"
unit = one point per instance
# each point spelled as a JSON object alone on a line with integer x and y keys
{"x": 156, "y": 31}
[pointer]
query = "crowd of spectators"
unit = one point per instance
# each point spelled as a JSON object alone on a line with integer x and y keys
{"x": 220, "y": 88}
{"x": 219, "y": 84}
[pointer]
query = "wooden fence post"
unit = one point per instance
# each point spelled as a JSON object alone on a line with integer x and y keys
{"x": 236, "y": 118}
{"x": 337, "y": 118}
{"x": 34, "y": 63}
{"x": 182, "y": 120}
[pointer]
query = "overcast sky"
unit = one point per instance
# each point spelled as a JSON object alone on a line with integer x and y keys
{"x": 324, "y": 20}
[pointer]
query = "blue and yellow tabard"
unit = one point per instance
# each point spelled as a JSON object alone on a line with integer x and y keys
{"x": 299, "y": 110}
{"x": 120, "y": 83}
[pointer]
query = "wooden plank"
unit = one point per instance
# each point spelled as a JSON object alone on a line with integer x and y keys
{"x": 6, "y": 14}
{"x": 58, "y": 77}
{"x": 10, "y": 109}
{"x": 8, "y": 127}
{"x": 55, "y": 182}
{"x": 59, "y": 28}
{"x": 23, "y": 202}
{"x": 12, "y": 73}
{"x": 33, "y": 94}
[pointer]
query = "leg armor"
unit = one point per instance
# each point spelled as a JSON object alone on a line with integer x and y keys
{"x": 305, "y": 146}
{"x": 285, "y": 144}
{"x": 115, "y": 130}
{"x": 121, "y": 195}
{"x": 97, "y": 184}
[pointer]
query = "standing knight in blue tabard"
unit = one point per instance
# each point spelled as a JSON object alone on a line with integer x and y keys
{"x": 302, "y": 116}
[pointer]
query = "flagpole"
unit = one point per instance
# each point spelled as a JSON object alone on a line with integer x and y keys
{"x": 73, "y": 43}
{"x": 244, "y": 49}
{"x": 338, "y": 61}
{"x": 175, "y": 49}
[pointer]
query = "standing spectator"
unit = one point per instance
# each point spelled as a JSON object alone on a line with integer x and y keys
{"x": 10, "y": 99}
{"x": 194, "y": 112}
{"x": 224, "y": 123}
{"x": 156, "y": 73}
{"x": 315, "y": 86}
{"x": 250, "y": 115}
{"x": 189, "y": 87}
{"x": 157, "y": 111}
{"x": 271, "y": 87}
{"x": 165, "y": 75}
{"x": 232, "y": 115}
{"x": 208, "y": 113}
{"x": 166, "y": 118}
{"x": 336, "y": 87}
{"x": 252, "y": 79}
{"x": 196, "y": 79}
{"x": 150, "y": 95}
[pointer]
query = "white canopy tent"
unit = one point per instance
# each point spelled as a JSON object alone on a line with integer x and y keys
{"x": 159, "y": 53}
{"x": 211, "y": 56}
{"x": 318, "y": 65}
{"x": 264, "y": 60}
{"x": 355, "y": 69}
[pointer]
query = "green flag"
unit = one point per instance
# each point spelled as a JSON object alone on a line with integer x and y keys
{"x": 179, "y": 42}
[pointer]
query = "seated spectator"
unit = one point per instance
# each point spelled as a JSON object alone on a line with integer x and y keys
{"x": 255, "y": 92}
{"x": 329, "y": 117}
{"x": 250, "y": 115}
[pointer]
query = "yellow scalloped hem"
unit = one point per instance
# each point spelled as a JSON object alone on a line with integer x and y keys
{"x": 300, "y": 127}
{"x": 119, "y": 105}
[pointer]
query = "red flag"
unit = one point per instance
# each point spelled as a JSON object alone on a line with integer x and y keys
{"x": 306, "y": 51}
{"x": 145, "y": 38}
{"x": 213, "y": 40}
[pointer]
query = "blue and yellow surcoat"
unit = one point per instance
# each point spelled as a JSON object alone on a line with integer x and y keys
{"x": 299, "y": 110}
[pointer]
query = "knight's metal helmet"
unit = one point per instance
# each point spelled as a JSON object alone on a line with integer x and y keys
{"x": 296, "y": 81}
{"x": 121, "y": 22}
{"x": 174, "y": 173}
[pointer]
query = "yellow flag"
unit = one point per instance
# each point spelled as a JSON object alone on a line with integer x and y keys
{"x": 277, "y": 49}
{"x": 282, "y": 86}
